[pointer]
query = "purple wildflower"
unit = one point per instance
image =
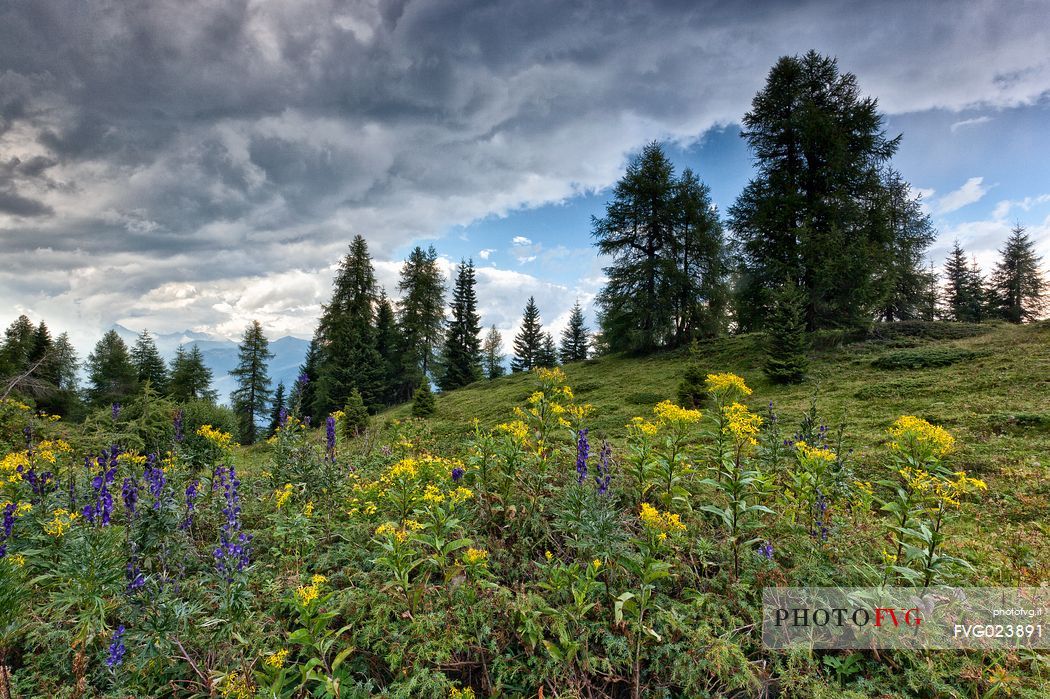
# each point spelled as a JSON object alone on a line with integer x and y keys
{"x": 303, "y": 379}
{"x": 282, "y": 417}
{"x": 8, "y": 522}
{"x": 155, "y": 480}
{"x": 116, "y": 411}
{"x": 766, "y": 551}
{"x": 102, "y": 509}
{"x": 130, "y": 494}
{"x": 329, "y": 435}
{"x": 233, "y": 554}
{"x": 116, "y": 648}
{"x": 604, "y": 474}
{"x": 583, "y": 452}
{"x": 457, "y": 474}
{"x": 192, "y": 491}
{"x": 135, "y": 577}
{"x": 177, "y": 424}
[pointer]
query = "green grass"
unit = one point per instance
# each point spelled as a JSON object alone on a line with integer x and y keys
{"x": 995, "y": 399}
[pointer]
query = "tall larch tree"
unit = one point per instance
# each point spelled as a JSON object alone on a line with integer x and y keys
{"x": 1017, "y": 285}
{"x": 462, "y": 350}
{"x": 815, "y": 212}
{"x": 148, "y": 362}
{"x": 492, "y": 354}
{"x": 529, "y": 340}
{"x": 635, "y": 232}
{"x": 574, "y": 339}
{"x": 252, "y": 396}
{"x": 697, "y": 264}
{"x": 421, "y": 317}
{"x": 349, "y": 358}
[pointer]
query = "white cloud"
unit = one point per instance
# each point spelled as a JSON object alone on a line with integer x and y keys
{"x": 972, "y": 191}
{"x": 520, "y": 240}
{"x": 1003, "y": 208}
{"x": 969, "y": 122}
{"x": 486, "y": 253}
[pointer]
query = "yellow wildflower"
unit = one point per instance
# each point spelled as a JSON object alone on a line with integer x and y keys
{"x": 548, "y": 555}
{"x": 535, "y": 398}
{"x": 308, "y": 508}
{"x": 461, "y": 494}
{"x": 60, "y": 523}
{"x": 554, "y": 375}
{"x": 318, "y": 579}
{"x": 742, "y": 424}
{"x": 221, "y": 439}
{"x": 671, "y": 413}
{"x": 282, "y": 494}
{"x": 662, "y": 522}
{"x": 516, "y": 429}
{"x": 237, "y": 686}
{"x": 596, "y": 563}
{"x": 913, "y": 432}
{"x": 475, "y": 556}
{"x": 306, "y": 594}
{"x": 727, "y": 383}
{"x": 456, "y": 693}
{"x": 17, "y": 560}
{"x": 433, "y": 494}
{"x": 814, "y": 453}
{"x": 278, "y": 659}
{"x": 406, "y": 468}
{"x": 642, "y": 427}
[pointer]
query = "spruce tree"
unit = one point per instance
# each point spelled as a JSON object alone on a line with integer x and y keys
{"x": 18, "y": 343}
{"x": 389, "y": 345}
{"x": 528, "y": 341}
{"x": 906, "y": 281}
{"x": 278, "y": 407}
{"x": 696, "y": 263}
{"x": 574, "y": 340}
{"x": 190, "y": 378}
{"x": 423, "y": 402}
{"x": 548, "y": 354}
{"x": 977, "y": 310}
{"x": 349, "y": 357}
{"x": 148, "y": 363}
{"x": 41, "y": 357}
{"x": 1017, "y": 286}
{"x": 957, "y": 285}
{"x": 355, "y": 414}
{"x": 66, "y": 364}
{"x": 786, "y": 337}
{"x": 492, "y": 354}
{"x": 636, "y": 231}
{"x": 692, "y": 389}
{"x": 421, "y": 317}
{"x": 820, "y": 210}
{"x": 252, "y": 395}
{"x": 112, "y": 378}
{"x": 462, "y": 350}
{"x": 304, "y": 392}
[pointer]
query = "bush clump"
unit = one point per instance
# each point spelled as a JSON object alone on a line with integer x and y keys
{"x": 924, "y": 358}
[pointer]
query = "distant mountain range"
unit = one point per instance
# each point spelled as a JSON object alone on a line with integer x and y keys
{"x": 220, "y": 355}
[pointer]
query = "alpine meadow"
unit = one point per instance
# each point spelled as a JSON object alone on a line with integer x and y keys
{"x": 516, "y": 405}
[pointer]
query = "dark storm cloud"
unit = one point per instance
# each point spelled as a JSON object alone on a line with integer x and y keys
{"x": 205, "y": 139}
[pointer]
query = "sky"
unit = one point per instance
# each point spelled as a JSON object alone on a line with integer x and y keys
{"x": 194, "y": 165}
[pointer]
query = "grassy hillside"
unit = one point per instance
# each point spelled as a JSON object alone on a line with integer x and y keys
{"x": 988, "y": 384}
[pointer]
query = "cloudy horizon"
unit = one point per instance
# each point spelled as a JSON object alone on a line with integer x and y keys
{"x": 195, "y": 165}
